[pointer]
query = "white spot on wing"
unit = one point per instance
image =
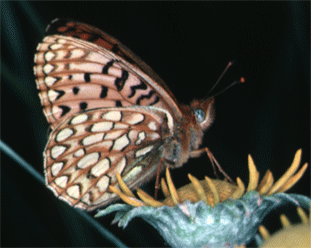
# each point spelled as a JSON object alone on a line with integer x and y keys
{"x": 153, "y": 136}
{"x": 89, "y": 140}
{"x": 86, "y": 199}
{"x": 61, "y": 41}
{"x": 79, "y": 153}
{"x": 152, "y": 125}
{"x": 141, "y": 137}
{"x": 77, "y": 53}
{"x": 143, "y": 151}
{"x": 79, "y": 119}
{"x": 49, "y": 56}
{"x": 74, "y": 191}
{"x": 101, "y": 167}
{"x": 113, "y": 134}
{"x": 56, "y": 46}
{"x": 103, "y": 183}
{"x": 112, "y": 116}
{"x": 121, "y": 143}
{"x": 48, "y": 68}
{"x": 120, "y": 126}
{"x": 135, "y": 118}
{"x": 61, "y": 181}
{"x": 56, "y": 151}
{"x": 56, "y": 168}
{"x": 64, "y": 134}
{"x": 50, "y": 80}
{"x": 52, "y": 94}
{"x": 102, "y": 126}
{"x": 88, "y": 160}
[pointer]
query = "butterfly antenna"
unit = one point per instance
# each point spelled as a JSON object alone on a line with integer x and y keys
{"x": 241, "y": 80}
{"x": 221, "y": 75}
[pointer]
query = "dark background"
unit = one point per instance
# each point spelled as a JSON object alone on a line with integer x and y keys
{"x": 188, "y": 45}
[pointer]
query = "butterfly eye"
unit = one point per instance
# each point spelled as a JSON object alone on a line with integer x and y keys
{"x": 200, "y": 115}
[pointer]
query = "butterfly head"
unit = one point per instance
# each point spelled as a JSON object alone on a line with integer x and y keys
{"x": 204, "y": 112}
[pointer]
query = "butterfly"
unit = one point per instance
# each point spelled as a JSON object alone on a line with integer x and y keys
{"x": 109, "y": 113}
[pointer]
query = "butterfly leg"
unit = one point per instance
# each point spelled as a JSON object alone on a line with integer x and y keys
{"x": 157, "y": 183}
{"x": 199, "y": 152}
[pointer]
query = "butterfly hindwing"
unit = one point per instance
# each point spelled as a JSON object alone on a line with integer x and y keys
{"x": 85, "y": 152}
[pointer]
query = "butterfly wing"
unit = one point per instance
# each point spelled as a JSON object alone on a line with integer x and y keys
{"x": 94, "y": 35}
{"x": 86, "y": 151}
{"x": 79, "y": 67}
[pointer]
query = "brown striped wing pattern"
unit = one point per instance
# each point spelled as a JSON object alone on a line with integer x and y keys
{"x": 78, "y": 67}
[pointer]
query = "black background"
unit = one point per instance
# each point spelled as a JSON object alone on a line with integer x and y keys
{"x": 188, "y": 45}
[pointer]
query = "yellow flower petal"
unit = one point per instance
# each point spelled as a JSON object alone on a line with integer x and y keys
{"x": 253, "y": 175}
{"x": 303, "y": 216}
{"x": 198, "y": 188}
{"x": 171, "y": 187}
{"x": 263, "y": 232}
{"x": 266, "y": 183}
{"x": 129, "y": 200}
{"x": 214, "y": 191}
{"x": 124, "y": 187}
{"x": 290, "y": 171}
{"x": 285, "y": 221}
{"x": 293, "y": 180}
{"x": 164, "y": 188}
{"x": 148, "y": 199}
{"x": 239, "y": 192}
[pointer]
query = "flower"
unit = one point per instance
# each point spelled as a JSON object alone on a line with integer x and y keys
{"x": 297, "y": 235}
{"x": 210, "y": 212}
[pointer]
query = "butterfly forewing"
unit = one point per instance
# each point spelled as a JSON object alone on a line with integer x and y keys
{"x": 75, "y": 75}
{"x": 85, "y": 152}
{"x": 96, "y": 36}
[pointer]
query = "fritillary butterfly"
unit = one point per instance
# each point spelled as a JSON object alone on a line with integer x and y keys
{"x": 109, "y": 113}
